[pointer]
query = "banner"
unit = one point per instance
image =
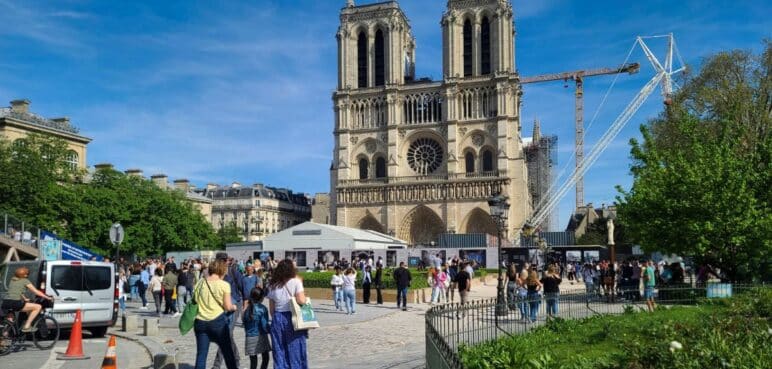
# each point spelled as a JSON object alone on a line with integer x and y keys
{"x": 70, "y": 250}
{"x": 51, "y": 249}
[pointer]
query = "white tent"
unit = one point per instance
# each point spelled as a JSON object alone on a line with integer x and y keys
{"x": 310, "y": 235}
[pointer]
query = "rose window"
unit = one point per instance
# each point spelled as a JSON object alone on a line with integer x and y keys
{"x": 424, "y": 155}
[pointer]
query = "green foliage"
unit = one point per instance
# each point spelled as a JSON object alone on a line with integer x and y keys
{"x": 702, "y": 173}
{"x": 728, "y": 333}
{"x": 229, "y": 233}
{"x": 38, "y": 186}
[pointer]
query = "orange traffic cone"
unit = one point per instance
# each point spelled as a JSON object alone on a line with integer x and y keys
{"x": 75, "y": 346}
{"x": 111, "y": 359}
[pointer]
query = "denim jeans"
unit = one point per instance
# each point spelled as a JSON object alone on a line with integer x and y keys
{"x": 338, "y": 296}
{"x": 552, "y": 303}
{"x": 511, "y": 294}
{"x": 534, "y": 300}
{"x": 589, "y": 287}
{"x": 523, "y": 306}
{"x": 182, "y": 297}
{"x": 231, "y": 320}
{"x": 402, "y": 296}
{"x": 437, "y": 294}
{"x": 122, "y": 304}
{"x": 142, "y": 290}
{"x": 216, "y": 331}
{"x": 351, "y": 296}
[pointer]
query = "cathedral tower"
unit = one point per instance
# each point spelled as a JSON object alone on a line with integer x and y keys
{"x": 418, "y": 158}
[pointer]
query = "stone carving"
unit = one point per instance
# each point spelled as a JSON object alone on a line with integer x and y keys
{"x": 384, "y": 137}
{"x": 462, "y": 131}
{"x": 370, "y": 146}
{"x": 402, "y": 132}
{"x": 443, "y": 130}
{"x": 610, "y": 228}
{"x": 478, "y": 139}
{"x": 421, "y": 192}
{"x": 492, "y": 128}
{"x": 354, "y": 139}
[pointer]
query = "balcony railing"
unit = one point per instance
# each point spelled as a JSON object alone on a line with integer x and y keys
{"x": 424, "y": 178}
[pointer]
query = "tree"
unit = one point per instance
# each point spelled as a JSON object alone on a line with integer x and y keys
{"x": 702, "y": 174}
{"x": 229, "y": 233}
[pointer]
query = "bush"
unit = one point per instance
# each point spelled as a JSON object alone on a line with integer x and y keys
{"x": 725, "y": 333}
{"x": 322, "y": 279}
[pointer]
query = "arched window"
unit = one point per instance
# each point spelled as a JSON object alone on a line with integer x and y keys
{"x": 485, "y": 46}
{"x": 469, "y": 162}
{"x": 487, "y": 161}
{"x": 71, "y": 159}
{"x": 467, "y": 48}
{"x": 363, "y": 164}
{"x": 380, "y": 168}
{"x": 380, "y": 62}
{"x": 362, "y": 60}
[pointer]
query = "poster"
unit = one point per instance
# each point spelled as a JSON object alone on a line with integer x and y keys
{"x": 70, "y": 250}
{"x": 328, "y": 258}
{"x": 52, "y": 249}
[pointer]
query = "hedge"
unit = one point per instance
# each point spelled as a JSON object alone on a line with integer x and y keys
{"x": 716, "y": 333}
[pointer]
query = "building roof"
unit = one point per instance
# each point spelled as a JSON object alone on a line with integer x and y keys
{"x": 310, "y": 235}
{"x": 59, "y": 125}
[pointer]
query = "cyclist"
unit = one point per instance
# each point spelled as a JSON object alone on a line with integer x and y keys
{"x": 17, "y": 301}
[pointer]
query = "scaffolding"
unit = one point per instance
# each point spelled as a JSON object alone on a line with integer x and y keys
{"x": 541, "y": 160}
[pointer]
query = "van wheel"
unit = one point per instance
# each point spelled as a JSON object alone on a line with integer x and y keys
{"x": 98, "y": 332}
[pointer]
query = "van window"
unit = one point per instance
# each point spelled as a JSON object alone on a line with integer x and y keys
{"x": 72, "y": 278}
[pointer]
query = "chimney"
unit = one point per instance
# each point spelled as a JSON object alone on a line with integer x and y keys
{"x": 211, "y": 186}
{"x": 63, "y": 120}
{"x": 160, "y": 180}
{"x": 20, "y": 106}
{"x": 182, "y": 184}
{"x": 103, "y": 166}
{"x": 134, "y": 172}
{"x": 235, "y": 185}
{"x": 258, "y": 186}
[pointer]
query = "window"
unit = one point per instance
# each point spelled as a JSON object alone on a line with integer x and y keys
{"x": 80, "y": 278}
{"x": 362, "y": 60}
{"x": 469, "y": 161}
{"x": 380, "y": 168}
{"x": 487, "y": 161}
{"x": 467, "y": 48}
{"x": 380, "y": 62}
{"x": 298, "y": 256}
{"x": 71, "y": 159}
{"x": 485, "y": 46}
{"x": 363, "y": 164}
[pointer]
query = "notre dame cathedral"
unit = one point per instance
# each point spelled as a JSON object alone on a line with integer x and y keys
{"x": 417, "y": 158}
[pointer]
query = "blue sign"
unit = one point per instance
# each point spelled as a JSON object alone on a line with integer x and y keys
{"x": 71, "y": 250}
{"x": 51, "y": 249}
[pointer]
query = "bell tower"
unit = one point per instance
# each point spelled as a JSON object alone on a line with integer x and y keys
{"x": 375, "y": 46}
{"x": 477, "y": 38}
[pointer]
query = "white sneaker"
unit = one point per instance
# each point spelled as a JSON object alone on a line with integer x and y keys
{"x": 143, "y": 308}
{"x": 175, "y": 315}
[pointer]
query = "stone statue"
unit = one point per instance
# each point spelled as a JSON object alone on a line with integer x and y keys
{"x": 610, "y": 228}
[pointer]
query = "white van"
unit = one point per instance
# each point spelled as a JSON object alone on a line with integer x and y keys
{"x": 88, "y": 286}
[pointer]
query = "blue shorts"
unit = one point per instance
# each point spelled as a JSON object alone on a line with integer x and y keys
{"x": 648, "y": 292}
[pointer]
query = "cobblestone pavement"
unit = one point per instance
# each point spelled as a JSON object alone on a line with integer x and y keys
{"x": 376, "y": 337}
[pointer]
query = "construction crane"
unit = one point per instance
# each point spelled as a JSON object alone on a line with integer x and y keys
{"x": 578, "y": 77}
{"x": 663, "y": 74}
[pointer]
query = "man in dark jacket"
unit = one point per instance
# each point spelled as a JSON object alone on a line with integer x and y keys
{"x": 402, "y": 277}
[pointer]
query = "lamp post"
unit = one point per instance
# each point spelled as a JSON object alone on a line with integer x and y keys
{"x": 499, "y": 212}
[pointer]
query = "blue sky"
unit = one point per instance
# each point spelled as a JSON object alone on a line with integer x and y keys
{"x": 241, "y": 90}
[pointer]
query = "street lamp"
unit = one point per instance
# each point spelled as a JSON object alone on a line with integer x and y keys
{"x": 499, "y": 212}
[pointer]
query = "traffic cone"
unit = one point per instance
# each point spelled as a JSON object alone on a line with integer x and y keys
{"x": 111, "y": 359}
{"x": 75, "y": 346}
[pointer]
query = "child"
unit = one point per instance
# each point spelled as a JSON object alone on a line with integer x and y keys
{"x": 257, "y": 329}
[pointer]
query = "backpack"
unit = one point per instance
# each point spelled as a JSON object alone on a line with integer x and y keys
{"x": 126, "y": 287}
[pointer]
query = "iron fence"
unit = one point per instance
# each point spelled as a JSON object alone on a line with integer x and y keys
{"x": 450, "y": 326}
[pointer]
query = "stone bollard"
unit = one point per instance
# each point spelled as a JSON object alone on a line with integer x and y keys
{"x": 415, "y": 297}
{"x": 165, "y": 361}
{"x": 150, "y": 327}
{"x": 130, "y": 323}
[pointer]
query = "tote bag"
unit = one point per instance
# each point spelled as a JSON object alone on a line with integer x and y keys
{"x": 303, "y": 316}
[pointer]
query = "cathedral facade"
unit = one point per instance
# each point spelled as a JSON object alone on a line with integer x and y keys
{"x": 417, "y": 158}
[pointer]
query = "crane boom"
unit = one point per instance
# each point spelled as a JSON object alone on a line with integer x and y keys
{"x": 629, "y": 68}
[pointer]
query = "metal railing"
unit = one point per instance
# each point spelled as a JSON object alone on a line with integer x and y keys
{"x": 451, "y": 326}
{"x": 19, "y": 230}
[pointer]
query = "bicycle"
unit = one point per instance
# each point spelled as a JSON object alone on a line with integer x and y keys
{"x": 12, "y": 338}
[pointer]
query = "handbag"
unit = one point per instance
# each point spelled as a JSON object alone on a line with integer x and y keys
{"x": 303, "y": 316}
{"x": 188, "y": 318}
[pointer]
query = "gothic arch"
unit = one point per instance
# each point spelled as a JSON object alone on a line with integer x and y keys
{"x": 478, "y": 221}
{"x": 368, "y": 222}
{"x": 421, "y": 226}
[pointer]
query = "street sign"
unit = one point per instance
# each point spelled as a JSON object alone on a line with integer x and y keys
{"x": 116, "y": 234}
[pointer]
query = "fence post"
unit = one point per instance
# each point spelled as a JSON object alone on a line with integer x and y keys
{"x": 5, "y": 227}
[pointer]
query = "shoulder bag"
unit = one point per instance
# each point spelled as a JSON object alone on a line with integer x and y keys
{"x": 188, "y": 318}
{"x": 303, "y": 316}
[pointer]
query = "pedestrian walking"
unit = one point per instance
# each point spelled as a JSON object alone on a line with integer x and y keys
{"x": 378, "y": 282}
{"x": 156, "y": 287}
{"x": 367, "y": 280}
{"x": 337, "y": 289}
{"x": 510, "y": 280}
{"x": 551, "y": 283}
{"x": 289, "y": 346}
{"x": 534, "y": 299}
{"x": 234, "y": 278}
{"x": 169, "y": 282}
{"x": 122, "y": 284}
{"x": 450, "y": 292}
{"x": 402, "y": 278}
{"x": 349, "y": 290}
{"x": 213, "y": 296}
{"x": 256, "y": 329}
{"x": 142, "y": 286}
{"x": 464, "y": 283}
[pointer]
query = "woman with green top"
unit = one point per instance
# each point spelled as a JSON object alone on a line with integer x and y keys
{"x": 213, "y": 296}
{"x": 16, "y": 300}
